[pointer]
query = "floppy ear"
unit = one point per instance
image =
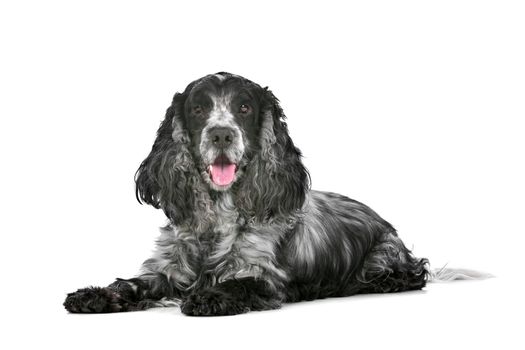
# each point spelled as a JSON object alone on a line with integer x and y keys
{"x": 168, "y": 177}
{"x": 275, "y": 181}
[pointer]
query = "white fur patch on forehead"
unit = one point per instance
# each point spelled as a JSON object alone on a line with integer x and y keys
{"x": 221, "y": 114}
{"x": 220, "y": 77}
{"x": 224, "y": 75}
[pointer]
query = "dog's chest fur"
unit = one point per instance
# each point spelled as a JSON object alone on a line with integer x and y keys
{"x": 240, "y": 249}
{"x": 227, "y": 216}
{"x": 231, "y": 249}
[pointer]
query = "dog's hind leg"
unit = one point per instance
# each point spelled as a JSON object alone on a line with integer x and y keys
{"x": 139, "y": 293}
{"x": 391, "y": 267}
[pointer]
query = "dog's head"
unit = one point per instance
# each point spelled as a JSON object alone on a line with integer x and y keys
{"x": 223, "y": 133}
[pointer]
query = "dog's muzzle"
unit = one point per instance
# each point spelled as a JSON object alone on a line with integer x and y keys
{"x": 222, "y": 170}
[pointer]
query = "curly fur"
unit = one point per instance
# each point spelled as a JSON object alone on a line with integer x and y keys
{"x": 277, "y": 181}
{"x": 168, "y": 178}
{"x": 262, "y": 240}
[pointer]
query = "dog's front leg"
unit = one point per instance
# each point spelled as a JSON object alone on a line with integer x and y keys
{"x": 133, "y": 294}
{"x": 162, "y": 281}
{"x": 249, "y": 277}
{"x": 231, "y": 297}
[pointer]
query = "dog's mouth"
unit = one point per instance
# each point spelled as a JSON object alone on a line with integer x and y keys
{"x": 222, "y": 171}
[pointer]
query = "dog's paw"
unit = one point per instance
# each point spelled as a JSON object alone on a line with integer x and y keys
{"x": 212, "y": 303}
{"x": 94, "y": 300}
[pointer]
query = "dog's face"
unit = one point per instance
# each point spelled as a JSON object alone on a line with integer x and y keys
{"x": 222, "y": 118}
{"x": 223, "y": 133}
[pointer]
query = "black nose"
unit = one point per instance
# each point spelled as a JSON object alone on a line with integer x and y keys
{"x": 221, "y": 137}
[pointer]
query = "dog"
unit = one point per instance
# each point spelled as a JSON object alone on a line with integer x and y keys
{"x": 245, "y": 232}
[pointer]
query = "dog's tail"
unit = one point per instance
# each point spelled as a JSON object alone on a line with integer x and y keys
{"x": 448, "y": 274}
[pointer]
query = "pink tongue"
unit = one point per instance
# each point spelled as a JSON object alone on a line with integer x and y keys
{"x": 222, "y": 174}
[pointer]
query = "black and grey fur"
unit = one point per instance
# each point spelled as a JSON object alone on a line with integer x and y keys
{"x": 263, "y": 240}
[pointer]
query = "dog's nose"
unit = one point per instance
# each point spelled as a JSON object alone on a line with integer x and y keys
{"x": 221, "y": 137}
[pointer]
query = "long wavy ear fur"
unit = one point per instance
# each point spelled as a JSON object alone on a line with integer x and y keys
{"x": 168, "y": 177}
{"x": 275, "y": 182}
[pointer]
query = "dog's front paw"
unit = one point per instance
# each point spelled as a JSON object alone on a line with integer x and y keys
{"x": 94, "y": 300}
{"x": 212, "y": 303}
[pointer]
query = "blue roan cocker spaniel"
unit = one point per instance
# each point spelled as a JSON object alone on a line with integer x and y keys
{"x": 245, "y": 232}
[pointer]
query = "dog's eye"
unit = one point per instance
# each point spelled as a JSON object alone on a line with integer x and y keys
{"x": 244, "y": 109}
{"x": 197, "y": 110}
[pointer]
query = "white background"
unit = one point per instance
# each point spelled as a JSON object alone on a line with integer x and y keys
{"x": 415, "y": 108}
